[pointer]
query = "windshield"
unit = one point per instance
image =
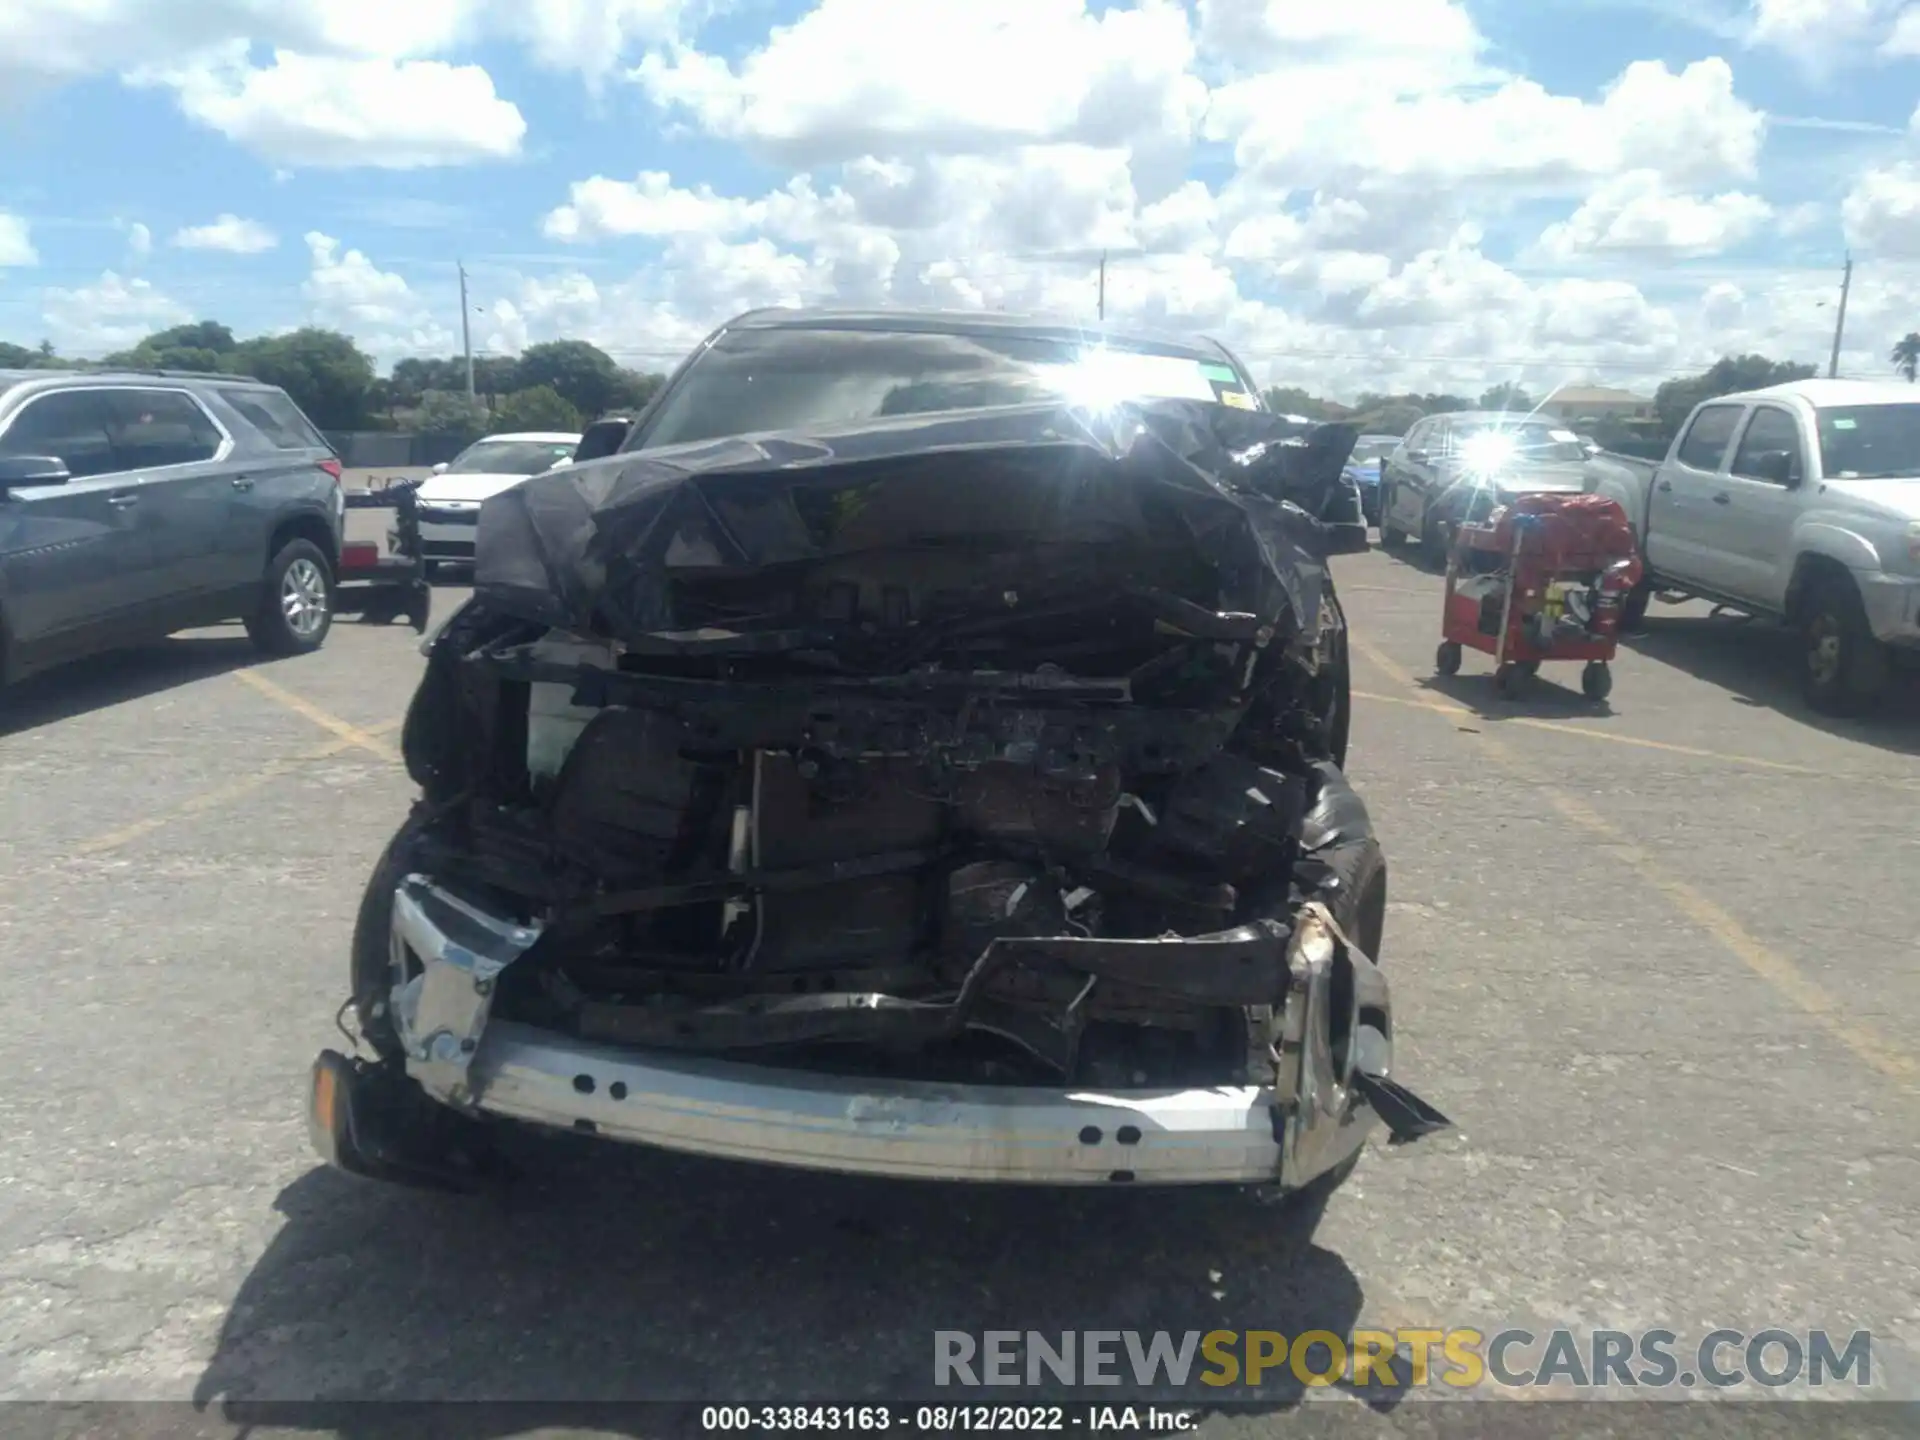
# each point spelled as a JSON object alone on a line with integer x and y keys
{"x": 512, "y": 457}
{"x": 1870, "y": 442}
{"x": 1516, "y": 440}
{"x": 752, "y": 381}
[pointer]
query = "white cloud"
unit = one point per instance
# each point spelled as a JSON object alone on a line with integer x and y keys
{"x": 377, "y": 307}
{"x": 113, "y": 313}
{"x": 1818, "y": 33}
{"x": 1636, "y": 213}
{"x": 55, "y": 40}
{"x": 332, "y": 113}
{"x": 1400, "y": 44}
{"x": 599, "y": 207}
{"x": 895, "y": 78}
{"x": 1904, "y": 38}
{"x": 228, "y": 232}
{"x": 16, "y": 242}
{"x": 1881, "y": 213}
{"x": 139, "y": 241}
{"x": 1293, "y": 131}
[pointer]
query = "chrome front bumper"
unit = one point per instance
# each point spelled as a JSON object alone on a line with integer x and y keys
{"x": 1311, "y": 1122}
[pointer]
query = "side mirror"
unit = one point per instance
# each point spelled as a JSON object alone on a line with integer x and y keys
{"x": 1776, "y": 466}
{"x": 439, "y": 469}
{"x": 23, "y": 470}
{"x": 601, "y": 439}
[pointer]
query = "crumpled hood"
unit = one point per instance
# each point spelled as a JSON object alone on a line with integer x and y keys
{"x": 468, "y": 488}
{"x": 600, "y": 548}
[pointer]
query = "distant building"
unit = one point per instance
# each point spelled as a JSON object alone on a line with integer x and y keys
{"x": 1575, "y": 404}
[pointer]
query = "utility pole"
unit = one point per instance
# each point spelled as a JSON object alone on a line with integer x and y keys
{"x": 466, "y": 333}
{"x": 1840, "y": 320}
{"x": 1103, "y": 286}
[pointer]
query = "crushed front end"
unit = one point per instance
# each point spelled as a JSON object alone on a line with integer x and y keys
{"x": 946, "y": 799}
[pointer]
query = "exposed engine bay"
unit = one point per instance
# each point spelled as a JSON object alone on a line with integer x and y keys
{"x": 994, "y": 750}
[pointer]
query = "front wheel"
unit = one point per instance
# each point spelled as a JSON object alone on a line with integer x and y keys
{"x": 1596, "y": 680}
{"x": 1392, "y": 537}
{"x": 1446, "y": 659}
{"x": 295, "y": 610}
{"x": 1845, "y": 667}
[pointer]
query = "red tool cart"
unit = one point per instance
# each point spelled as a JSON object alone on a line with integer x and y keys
{"x": 1544, "y": 578}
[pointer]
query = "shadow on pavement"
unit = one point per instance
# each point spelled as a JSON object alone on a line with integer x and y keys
{"x": 1758, "y": 664}
{"x": 1552, "y": 694}
{"x": 113, "y": 678}
{"x": 620, "y": 1275}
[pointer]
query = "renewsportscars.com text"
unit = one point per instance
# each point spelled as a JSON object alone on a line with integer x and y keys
{"x": 1458, "y": 1358}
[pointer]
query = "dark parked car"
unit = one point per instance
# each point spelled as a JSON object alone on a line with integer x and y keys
{"x": 1458, "y": 468}
{"x": 913, "y": 753}
{"x": 136, "y": 504}
{"x": 1363, "y": 468}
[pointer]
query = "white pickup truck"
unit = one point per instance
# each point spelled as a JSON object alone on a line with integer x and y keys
{"x": 1801, "y": 503}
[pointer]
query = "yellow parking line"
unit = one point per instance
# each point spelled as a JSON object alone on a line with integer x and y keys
{"x": 1867, "y": 1044}
{"x": 352, "y": 734}
{"x": 210, "y": 799}
{"x": 1443, "y": 707}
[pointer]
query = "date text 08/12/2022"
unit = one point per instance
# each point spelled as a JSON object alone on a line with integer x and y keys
{"x": 945, "y": 1419}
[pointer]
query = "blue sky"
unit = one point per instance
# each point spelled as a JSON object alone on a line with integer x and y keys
{"x": 1419, "y": 192}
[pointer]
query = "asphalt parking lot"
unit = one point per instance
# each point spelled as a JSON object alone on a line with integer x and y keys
{"x": 1655, "y": 958}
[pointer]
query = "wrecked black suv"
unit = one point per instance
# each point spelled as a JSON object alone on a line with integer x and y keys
{"x": 914, "y": 752}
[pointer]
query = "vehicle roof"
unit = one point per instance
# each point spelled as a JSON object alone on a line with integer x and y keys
{"x": 10, "y": 378}
{"x": 544, "y": 437}
{"x": 1515, "y": 417}
{"x": 973, "y": 322}
{"x": 1824, "y": 394}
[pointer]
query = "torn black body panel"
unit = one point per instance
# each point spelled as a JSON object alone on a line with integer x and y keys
{"x": 1005, "y": 724}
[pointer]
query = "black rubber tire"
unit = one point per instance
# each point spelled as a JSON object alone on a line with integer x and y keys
{"x": 1391, "y": 536}
{"x": 371, "y": 954}
{"x": 1596, "y": 680}
{"x": 1856, "y": 675}
{"x": 1511, "y": 681}
{"x": 267, "y": 626}
{"x": 1633, "y": 609}
{"x": 1446, "y": 660}
{"x": 1436, "y": 538}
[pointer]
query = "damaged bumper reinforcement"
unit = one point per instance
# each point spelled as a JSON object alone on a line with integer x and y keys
{"x": 1331, "y": 1085}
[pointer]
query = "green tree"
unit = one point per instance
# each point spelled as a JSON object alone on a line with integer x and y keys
{"x": 415, "y": 376}
{"x": 323, "y": 370}
{"x": 1728, "y": 375}
{"x": 635, "y": 390}
{"x": 493, "y": 377}
{"x": 1906, "y": 355}
{"x": 583, "y": 375}
{"x": 17, "y": 357}
{"x": 449, "y": 412}
{"x": 1292, "y": 400}
{"x": 202, "y": 345}
{"x": 539, "y": 407}
{"x": 1506, "y": 396}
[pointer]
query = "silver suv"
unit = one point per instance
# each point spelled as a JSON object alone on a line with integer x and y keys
{"x": 136, "y": 504}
